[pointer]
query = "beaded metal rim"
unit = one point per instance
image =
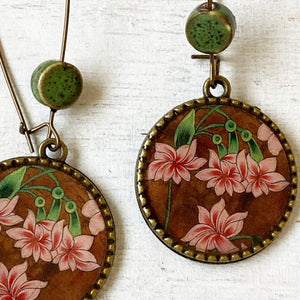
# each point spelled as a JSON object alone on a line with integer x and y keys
{"x": 95, "y": 192}
{"x": 143, "y": 201}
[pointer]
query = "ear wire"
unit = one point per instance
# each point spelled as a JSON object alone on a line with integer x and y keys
{"x": 23, "y": 126}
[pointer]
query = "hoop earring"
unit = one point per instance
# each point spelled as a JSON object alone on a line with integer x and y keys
{"x": 52, "y": 217}
{"x": 211, "y": 172}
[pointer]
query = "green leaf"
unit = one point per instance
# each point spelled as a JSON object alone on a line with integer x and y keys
{"x": 185, "y": 131}
{"x": 222, "y": 151}
{"x": 255, "y": 151}
{"x": 55, "y": 210}
{"x": 233, "y": 142}
{"x": 74, "y": 224}
{"x": 11, "y": 184}
{"x": 256, "y": 240}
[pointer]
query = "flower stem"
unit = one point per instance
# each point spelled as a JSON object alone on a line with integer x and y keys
{"x": 223, "y": 114}
{"x": 28, "y": 192}
{"x": 206, "y": 116}
{"x": 36, "y": 187}
{"x": 51, "y": 175}
{"x": 169, "y": 204}
{"x": 203, "y": 129}
{"x": 255, "y": 239}
{"x": 37, "y": 176}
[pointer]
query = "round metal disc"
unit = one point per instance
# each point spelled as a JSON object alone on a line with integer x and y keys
{"x": 57, "y": 232}
{"x": 216, "y": 180}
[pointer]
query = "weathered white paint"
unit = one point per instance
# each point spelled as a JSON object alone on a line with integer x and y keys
{"x": 136, "y": 66}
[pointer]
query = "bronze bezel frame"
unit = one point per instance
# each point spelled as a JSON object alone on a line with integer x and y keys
{"x": 95, "y": 192}
{"x": 140, "y": 178}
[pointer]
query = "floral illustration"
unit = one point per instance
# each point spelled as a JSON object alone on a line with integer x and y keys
{"x": 235, "y": 164}
{"x": 7, "y": 217}
{"x": 222, "y": 174}
{"x": 92, "y": 211}
{"x": 262, "y": 177}
{"x": 174, "y": 164}
{"x": 73, "y": 253}
{"x": 51, "y": 231}
{"x": 215, "y": 229}
{"x": 33, "y": 239}
{"x": 264, "y": 133}
{"x": 15, "y": 286}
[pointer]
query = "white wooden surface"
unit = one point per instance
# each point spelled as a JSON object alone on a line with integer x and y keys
{"x": 136, "y": 65}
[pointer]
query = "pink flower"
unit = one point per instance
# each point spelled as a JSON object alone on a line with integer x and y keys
{"x": 14, "y": 284}
{"x": 262, "y": 177}
{"x": 56, "y": 229}
{"x": 33, "y": 239}
{"x": 170, "y": 163}
{"x": 215, "y": 229}
{"x": 264, "y": 133}
{"x": 222, "y": 175}
{"x": 241, "y": 163}
{"x": 7, "y": 217}
{"x": 91, "y": 210}
{"x": 73, "y": 253}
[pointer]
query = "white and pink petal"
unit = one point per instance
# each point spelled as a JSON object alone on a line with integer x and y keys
{"x": 274, "y": 145}
{"x": 96, "y": 224}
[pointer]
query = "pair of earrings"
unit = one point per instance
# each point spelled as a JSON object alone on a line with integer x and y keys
{"x": 215, "y": 181}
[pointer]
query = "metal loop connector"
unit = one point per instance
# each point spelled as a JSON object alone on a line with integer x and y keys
{"x": 208, "y": 84}
{"x": 215, "y": 62}
{"x": 53, "y": 147}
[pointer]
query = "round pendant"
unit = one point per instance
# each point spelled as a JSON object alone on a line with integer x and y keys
{"x": 57, "y": 232}
{"x": 216, "y": 180}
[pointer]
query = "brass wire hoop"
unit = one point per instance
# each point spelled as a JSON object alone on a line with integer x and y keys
{"x": 53, "y": 147}
{"x": 23, "y": 126}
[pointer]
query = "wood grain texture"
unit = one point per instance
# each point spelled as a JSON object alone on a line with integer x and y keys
{"x": 136, "y": 66}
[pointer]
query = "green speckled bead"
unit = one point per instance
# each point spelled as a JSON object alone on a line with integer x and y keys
{"x": 56, "y": 84}
{"x": 210, "y": 31}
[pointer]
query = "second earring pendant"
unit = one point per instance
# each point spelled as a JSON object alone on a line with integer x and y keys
{"x": 215, "y": 177}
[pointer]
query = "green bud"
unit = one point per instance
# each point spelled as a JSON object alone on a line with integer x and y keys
{"x": 230, "y": 126}
{"x": 246, "y": 135}
{"x": 58, "y": 193}
{"x": 217, "y": 139}
{"x": 39, "y": 202}
{"x": 70, "y": 207}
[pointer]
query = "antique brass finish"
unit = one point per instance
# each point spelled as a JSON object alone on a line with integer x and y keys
{"x": 143, "y": 161}
{"x": 208, "y": 84}
{"x": 95, "y": 193}
{"x": 23, "y": 126}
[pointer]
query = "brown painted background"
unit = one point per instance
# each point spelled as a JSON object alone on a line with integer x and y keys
{"x": 66, "y": 285}
{"x": 264, "y": 212}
